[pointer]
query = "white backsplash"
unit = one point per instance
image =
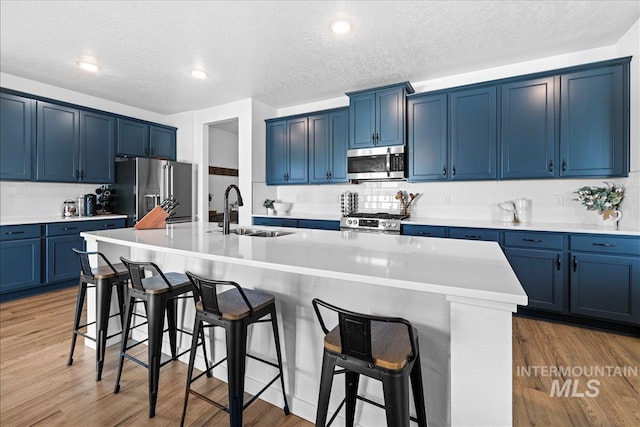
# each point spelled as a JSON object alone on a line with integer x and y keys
{"x": 552, "y": 200}
{"x": 32, "y": 199}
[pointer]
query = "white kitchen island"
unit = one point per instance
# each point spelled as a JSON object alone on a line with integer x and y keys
{"x": 459, "y": 294}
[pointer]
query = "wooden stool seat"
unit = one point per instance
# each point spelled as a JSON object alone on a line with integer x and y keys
{"x": 233, "y": 307}
{"x": 157, "y": 285}
{"x": 105, "y": 272}
{"x": 390, "y": 345}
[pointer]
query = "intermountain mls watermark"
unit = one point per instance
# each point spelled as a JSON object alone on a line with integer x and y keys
{"x": 567, "y": 378}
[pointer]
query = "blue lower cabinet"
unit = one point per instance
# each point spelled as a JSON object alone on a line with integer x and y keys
{"x": 606, "y": 286}
{"x": 319, "y": 224}
{"x": 541, "y": 274}
{"x": 62, "y": 262}
{"x": 19, "y": 264}
{"x": 275, "y": 222}
{"x": 424, "y": 230}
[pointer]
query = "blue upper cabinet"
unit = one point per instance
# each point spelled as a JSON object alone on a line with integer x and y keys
{"x": 58, "y": 136}
{"x": 427, "y": 133}
{"x": 74, "y": 145}
{"x": 133, "y": 138}
{"x": 287, "y": 151}
{"x": 140, "y": 139}
{"x": 473, "y": 120}
{"x": 97, "y": 147}
{"x": 162, "y": 142}
{"x": 276, "y": 169}
{"x": 528, "y": 130}
{"x": 594, "y": 123}
{"x": 328, "y": 134}
{"x": 297, "y": 146}
{"x": 16, "y": 137}
{"x": 362, "y": 111}
{"x": 377, "y": 117}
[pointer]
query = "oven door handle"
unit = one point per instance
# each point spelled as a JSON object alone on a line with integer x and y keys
{"x": 388, "y": 162}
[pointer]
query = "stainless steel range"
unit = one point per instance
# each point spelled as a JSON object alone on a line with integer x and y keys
{"x": 372, "y": 222}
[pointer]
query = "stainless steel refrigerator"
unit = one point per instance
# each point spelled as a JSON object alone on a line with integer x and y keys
{"x": 141, "y": 184}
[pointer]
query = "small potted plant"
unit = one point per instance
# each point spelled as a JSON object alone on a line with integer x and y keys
{"x": 268, "y": 203}
{"x": 605, "y": 200}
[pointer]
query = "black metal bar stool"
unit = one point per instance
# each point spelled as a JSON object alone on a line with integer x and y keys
{"x": 384, "y": 348}
{"x": 234, "y": 310}
{"x": 103, "y": 279}
{"x": 160, "y": 294}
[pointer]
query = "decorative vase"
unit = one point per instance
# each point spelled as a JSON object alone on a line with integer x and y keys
{"x": 611, "y": 217}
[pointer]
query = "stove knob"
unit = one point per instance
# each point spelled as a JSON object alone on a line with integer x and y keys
{"x": 383, "y": 224}
{"x": 392, "y": 224}
{"x": 349, "y": 222}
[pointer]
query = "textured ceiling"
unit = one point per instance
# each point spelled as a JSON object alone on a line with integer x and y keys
{"x": 282, "y": 52}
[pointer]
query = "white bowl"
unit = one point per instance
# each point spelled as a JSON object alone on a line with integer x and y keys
{"x": 281, "y": 207}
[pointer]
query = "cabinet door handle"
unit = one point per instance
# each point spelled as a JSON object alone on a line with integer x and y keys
{"x": 70, "y": 228}
{"x": 444, "y": 171}
{"x": 81, "y": 174}
{"x": 453, "y": 171}
{"x": 14, "y": 232}
{"x": 550, "y": 166}
{"x": 575, "y": 264}
{"x": 606, "y": 245}
{"x": 564, "y": 165}
{"x": 558, "y": 262}
{"x": 109, "y": 225}
{"x": 532, "y": 240}
{"x": 76, "y": 174}
{"x": 424, "y": 233}
{"x": 472, "y": 236}
{"x": 330, "y": 175}
{"x": 373, "y": 138}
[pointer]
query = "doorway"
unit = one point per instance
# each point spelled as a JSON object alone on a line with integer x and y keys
{"x": 223, "y": 166}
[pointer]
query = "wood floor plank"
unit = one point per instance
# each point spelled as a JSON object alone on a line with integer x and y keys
{"x": 37, "y": 387}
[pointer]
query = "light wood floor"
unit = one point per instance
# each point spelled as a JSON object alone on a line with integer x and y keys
{"x": 37, "y": 388}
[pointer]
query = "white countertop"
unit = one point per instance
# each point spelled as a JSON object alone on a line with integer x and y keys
{"x": 444, "y": 266}
{"x": 45, "y": 219}
{"x": 479, "y": 223}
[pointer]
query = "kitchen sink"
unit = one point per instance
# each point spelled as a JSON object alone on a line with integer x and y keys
{"x": 259, "y": 233}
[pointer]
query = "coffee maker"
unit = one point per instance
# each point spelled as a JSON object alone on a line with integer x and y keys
{"x": 90, "y": 203}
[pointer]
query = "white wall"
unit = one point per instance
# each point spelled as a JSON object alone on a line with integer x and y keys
{"x": 35, "y": 199}
{"x": 552, "y": 199}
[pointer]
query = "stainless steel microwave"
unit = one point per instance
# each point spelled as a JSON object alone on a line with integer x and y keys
{"x": 377, "y": 163}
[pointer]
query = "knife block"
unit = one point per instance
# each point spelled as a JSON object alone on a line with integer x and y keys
{"x": 154, "y": 219}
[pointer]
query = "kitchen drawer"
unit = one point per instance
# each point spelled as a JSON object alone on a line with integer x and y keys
{"x": 424, "y": 230}
{"x": 605, "y": 244}
{"x": 474, "y": 234}
{"x": 532, "y": 239}
{"x": 64, "y": 228}
{"x": 105, "y": 224}
{"x": 19, "y": 232}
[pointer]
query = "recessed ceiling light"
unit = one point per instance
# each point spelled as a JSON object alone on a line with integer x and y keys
{"x": 88, "y": 66}
{"x": 198, "y": 74}
{"x": 340, "y": 26}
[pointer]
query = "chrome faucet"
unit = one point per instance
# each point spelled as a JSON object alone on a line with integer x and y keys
{"x": 227, "y": 212}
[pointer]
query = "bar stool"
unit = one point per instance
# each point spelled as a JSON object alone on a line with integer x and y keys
{"x": 160, "y": 294}
{"x": 384, "y": 348}
{"x": 234, "y": 310}
{"x": 103, "y": 279}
